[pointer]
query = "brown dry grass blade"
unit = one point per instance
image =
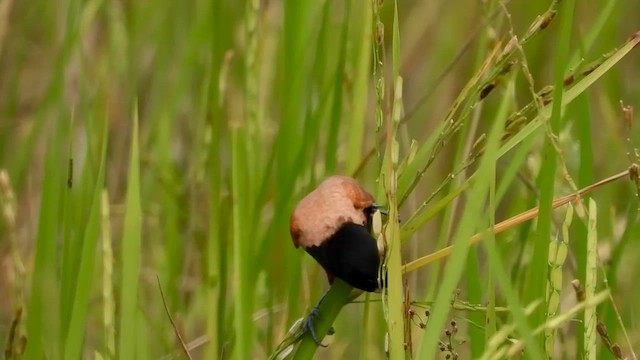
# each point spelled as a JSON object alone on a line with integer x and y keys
{"x": 518, "y": 219}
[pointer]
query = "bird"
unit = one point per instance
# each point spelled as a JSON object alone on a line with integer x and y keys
{"x": 333, "y": 224}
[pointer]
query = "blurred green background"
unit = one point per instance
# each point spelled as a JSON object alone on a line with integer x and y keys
{"x": 173, "y": 139}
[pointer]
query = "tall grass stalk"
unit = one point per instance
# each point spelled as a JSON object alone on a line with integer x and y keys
{"x": 85, "y": 271}
{"x": 42, "y": 325}
{"x": 537, "y": 270}
{"x": 558, "y": 251}
{"x": 131, "y": 253}
{"x": 108, "y": 299}
{"x": 590, "y": 283}
{"x": 393, "y": 262}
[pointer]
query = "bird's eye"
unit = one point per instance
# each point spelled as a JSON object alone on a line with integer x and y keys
{"x": 375, "y": 207}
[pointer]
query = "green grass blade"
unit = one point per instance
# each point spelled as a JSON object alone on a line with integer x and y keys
{"x": 583, "y": 130}
{"x": 42, "y": 327}
{"x": 558, "y": 250}
{"x": 338, "y": 94}
{"x": 73, "y": 202}
{"x": 131, "y": 253}
{"x": 393, "y": 257}
{"x": 499, "y": 270}
{"x": 361, "y": 60}
{"x": 590, "y": 318}
{"x": 87, "y": 260}
{"x": 395, "y": 288}
{"x": 109, "y": 303}
{"x": 329, "y": 309}
{"x": 537, "y": 269}
{"x": 241, "y": 250}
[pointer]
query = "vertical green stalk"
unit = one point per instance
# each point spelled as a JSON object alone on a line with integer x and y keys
{"x": 288, "y": 146}
{"x": 295, "y": 40}
{"x": 361, "y": 65}
{"x": 72, "y": 202}
{"x": 498, "y": 269}
{"x": 131, "y": 253}
{"x": 169, "y": 201}
{"x": 395, "y": 292}
{"x": 216, "y": 272}
{"x": 476, "y": 286}
{"x": 240, "y": 157}
{"x": 558, "y": 250}
{"x": 241, "y": 255}
{"x": 591, "y": 279}
{"x": 338, "y": 85}
{"x": 252, "y": 103}
{"x": 585, "y": 177}
{"x": 216, "y": 247}
{"x": 546, "y": 179}
{"x": 393, "y": 259}
{"x": 378, "y": 66}
{"x": 42, "y": 333}
{"x": 109, "y": 306}
{"x": 212, "y": 100}
{"x": 86, "y": 258}
{"x": 337, "y": 297}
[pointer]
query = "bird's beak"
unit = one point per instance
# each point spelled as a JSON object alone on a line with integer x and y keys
{"x": 379, "y": 208}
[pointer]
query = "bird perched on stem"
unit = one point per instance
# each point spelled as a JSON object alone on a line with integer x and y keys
{"x": 333, "y": 224}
